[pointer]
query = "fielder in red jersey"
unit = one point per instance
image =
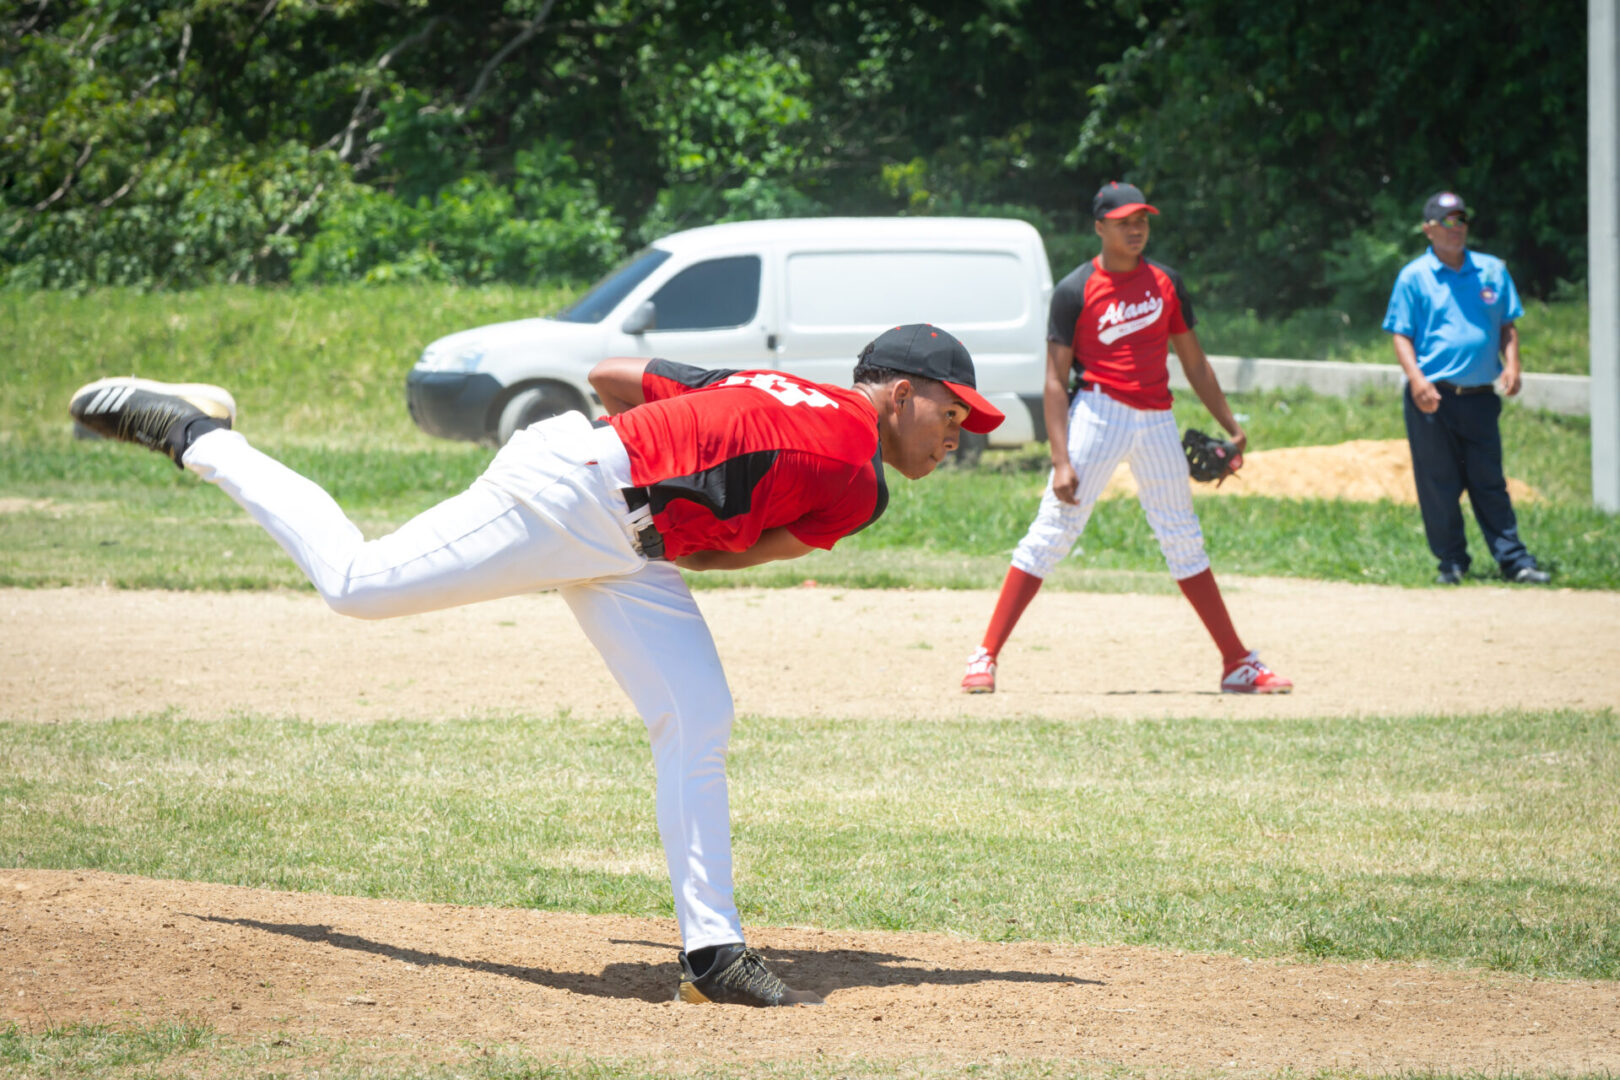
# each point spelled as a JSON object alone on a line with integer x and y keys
{"x": 1110, "y": 326}
{"x": 1119, "y": 326}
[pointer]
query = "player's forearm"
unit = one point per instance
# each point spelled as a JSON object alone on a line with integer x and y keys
{"x": 1055, "y": 400}
{"x": 1510, "y": 347}
{"x": 617, "y": 381}
{"x": 718, "y": 560}
{"x": 1201, "y": 377}
{"x": 1406, "y": 356}
{"x": 1055, "y": 409}
{"x": 773, "y": 545}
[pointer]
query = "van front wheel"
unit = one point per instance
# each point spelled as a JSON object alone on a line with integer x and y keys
{"x": 533, "y": 405}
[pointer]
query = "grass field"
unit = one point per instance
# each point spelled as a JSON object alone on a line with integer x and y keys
{"x": 84, "y": 513}
{"x": 1358, "y": 839}
{"x": 319, "y": 374}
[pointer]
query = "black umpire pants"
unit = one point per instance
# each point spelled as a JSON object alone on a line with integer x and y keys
{"x": 1458, "y": 448}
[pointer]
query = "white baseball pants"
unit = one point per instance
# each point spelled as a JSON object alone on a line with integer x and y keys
{"x": 1102, "y": 433}
{"x": 547, "y": 513}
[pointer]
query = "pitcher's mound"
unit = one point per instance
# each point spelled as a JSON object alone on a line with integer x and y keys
{"x": 102, "y": 948}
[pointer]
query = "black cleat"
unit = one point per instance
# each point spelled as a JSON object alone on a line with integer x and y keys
{"x": 1530, "y": 575}
{"x": 156, "y": 415}
{"x": 738, "y": 976}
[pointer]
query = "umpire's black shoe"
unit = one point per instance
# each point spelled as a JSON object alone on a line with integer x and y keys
{"x": 1529, "y": 575}
{"x": 158, "y": 416}
{"x": 738, "y": 976}
{"x": 1450, "y": 575}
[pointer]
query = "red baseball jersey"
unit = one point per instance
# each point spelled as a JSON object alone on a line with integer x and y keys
{"x": 1119, "y": 326}
{"x": 727, "y": 454}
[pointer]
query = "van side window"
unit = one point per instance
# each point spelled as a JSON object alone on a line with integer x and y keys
{"x": 710, "y": 295}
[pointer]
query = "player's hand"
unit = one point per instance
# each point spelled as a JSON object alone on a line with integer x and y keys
{"x": 1066, "y": 483}
{"x": 1510, "y": 381}
{"x": 1240, "y": 439}
{"x": 1425, "y": 396}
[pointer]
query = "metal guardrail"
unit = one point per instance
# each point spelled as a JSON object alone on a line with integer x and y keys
{"x": 1569, "y": 394}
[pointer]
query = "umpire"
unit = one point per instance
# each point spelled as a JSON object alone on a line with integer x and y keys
{"x": 1452, "y": 314}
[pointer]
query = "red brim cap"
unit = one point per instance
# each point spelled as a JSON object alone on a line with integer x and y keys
{"x": 982, "y": 417}
{"x": 1130, "y": 208}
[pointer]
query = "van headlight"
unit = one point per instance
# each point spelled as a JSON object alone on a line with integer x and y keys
{"x": 442, "y": 357}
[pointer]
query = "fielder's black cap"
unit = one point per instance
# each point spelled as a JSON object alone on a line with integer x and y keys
{"x": 1117, "y": 200}
{"x": 921, "y": 349}
{"x": 1442, "y": 204}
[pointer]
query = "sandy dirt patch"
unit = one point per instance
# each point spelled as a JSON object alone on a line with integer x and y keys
{"x": 99, "y": 947}
{"x": 1352, "y": 650}
{"x": 1364, "y": 470}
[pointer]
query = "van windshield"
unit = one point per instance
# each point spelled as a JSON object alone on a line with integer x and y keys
{"x": 605, "y": 295}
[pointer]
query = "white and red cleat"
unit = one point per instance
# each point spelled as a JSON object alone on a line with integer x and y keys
{"x": 980, "y": 677}
{"x": 1250, "y": 676}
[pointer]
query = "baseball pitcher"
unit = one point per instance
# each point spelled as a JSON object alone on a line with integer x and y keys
{"x": 694, "y": 468}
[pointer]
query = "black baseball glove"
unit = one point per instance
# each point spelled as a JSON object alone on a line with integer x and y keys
{"x": 1209, "y": 459}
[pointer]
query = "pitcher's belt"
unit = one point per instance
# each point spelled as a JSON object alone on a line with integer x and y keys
{"x": 649, "y": 541}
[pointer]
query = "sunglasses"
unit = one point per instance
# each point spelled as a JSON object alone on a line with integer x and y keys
{"x": 1455, "y": 221}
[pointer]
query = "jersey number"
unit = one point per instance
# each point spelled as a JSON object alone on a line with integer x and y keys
{"x": 788, "y": 393}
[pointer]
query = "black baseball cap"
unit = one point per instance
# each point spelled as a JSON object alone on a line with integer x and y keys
{"x": 921, "y": 349}
{"x": 1442, "y": 204}
{"x": 1117, "y": 200}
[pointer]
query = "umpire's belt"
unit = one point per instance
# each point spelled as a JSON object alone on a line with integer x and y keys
{"x": 648, "y": 540}
{"x": 1465, "y": 391}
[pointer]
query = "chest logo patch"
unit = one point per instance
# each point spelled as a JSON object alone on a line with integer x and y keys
{"x": 1120, "y": 318}
{"x": 1487, "y": 294}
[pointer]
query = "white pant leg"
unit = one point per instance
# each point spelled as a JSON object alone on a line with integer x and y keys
{"x": 1099, "y": 438}
{"x": 540, "y": 516}
{"x": 543, "y": 515}
{"x": 1160, "y": 467}
{"x": 649, "y": 630}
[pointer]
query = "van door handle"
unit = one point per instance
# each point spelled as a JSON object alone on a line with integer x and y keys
{"x": 770, "y": 342}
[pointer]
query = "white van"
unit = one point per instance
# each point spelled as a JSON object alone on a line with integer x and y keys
{"x": 800, "y": 295}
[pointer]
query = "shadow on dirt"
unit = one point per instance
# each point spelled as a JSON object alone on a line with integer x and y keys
{"x": 822, "y": 971}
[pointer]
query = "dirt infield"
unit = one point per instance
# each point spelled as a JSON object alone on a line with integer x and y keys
{"x": 812, "y": 652}
{"x": 92, "y": 946}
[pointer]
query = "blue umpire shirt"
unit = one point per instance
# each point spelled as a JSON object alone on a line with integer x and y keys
{"x": 1454, "y": 317}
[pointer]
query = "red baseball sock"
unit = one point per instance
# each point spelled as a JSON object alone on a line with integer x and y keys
{"x": 1205, "y": 597}
{"x": 1016, "y": 593}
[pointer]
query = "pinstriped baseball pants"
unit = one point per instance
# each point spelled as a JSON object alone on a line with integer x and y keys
{"x": 548, "y": 513}
{"x": 1102, "y": 433}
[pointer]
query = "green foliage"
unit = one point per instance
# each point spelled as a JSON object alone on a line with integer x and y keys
{"x": 1271, "y": 130}
{"x": 199, "y": 141}
{"x": 546, "y": 225}
{"x": 1360, "y": 266}
{"x": 235, "y": 221}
